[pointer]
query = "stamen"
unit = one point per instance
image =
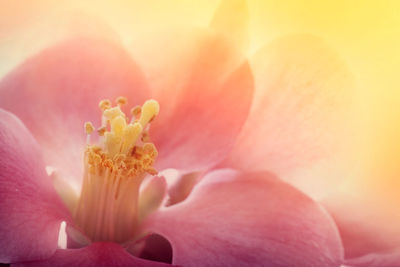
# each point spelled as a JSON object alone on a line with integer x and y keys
{"x": 136, "y": 111}
{"x": 118, "y": 125}
{"x": 132, "y": 132}
{"x": 150, "y": 109}
{"x": 112, "y": 113}
{"x": 121, "y": 100}
{"x": 104, "y": 104}
{"x": 88, "y": 129}
{"x": 145, "y": 136}
{"x": 114, "y": 170}
{"x": 101, "y": 130}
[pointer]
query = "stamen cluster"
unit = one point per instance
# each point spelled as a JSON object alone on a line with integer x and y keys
{"x": 121, "y": 151}
{"x": 114, "y": 168}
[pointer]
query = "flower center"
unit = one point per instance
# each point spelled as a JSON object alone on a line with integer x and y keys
{"x": 113, "y": 171}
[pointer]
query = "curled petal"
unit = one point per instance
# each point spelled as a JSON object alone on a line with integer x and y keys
{"x": 182, "y": 187}
{"x": 298, "y": 118}
{"x": 248, "y": 219}
{"x": 152, "y": 196}
{"x": 30, "y": 209}
{"x": 95, "y": 255}
{"x": 59, "y": 89}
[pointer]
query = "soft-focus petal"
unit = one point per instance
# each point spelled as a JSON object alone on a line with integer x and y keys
{"x": 56, "y": 91}
{"x": 367, "y": 223}
{"x": 204, "y": 106}
{"x": 95, "y": 255}
{"x": 231, "y": 19}
{"x": 30, "y": 209}
{"x": 204, "y": 87}
{"x": 203, "y": 127}
{"x": 299, "y": 112}
{"x": 366, "y": 206}
{"x": 250, "y": 219}
{"x": 379, "y": 259}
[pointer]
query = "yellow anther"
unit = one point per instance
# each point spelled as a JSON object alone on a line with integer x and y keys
{"x": 96, "y": 158}
{"x": 150, "y": 109}
{"x": 118, "y": 125}
{"x": 121, "y": 100}
{"x": 150, "y": 148}
{"x": 111, "y": 113}
{"x": 151, "y": 171}
{"x": 95, "y": 149}
{"x": 112, "y": 143}
{"x": 131, "y": 134}
{"x": 108, "y": 163}
{"x": 130, "y": 172}
{"x": 104, "y": 104}
{"x": 89, "y": 127}
{"x": 119, "y": 157}
{"x": 101, "y": 130}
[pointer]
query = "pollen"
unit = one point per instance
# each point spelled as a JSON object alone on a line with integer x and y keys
{"x": 115, "y": 167}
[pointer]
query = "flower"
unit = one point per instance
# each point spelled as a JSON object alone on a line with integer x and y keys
{"x": 237, "y": 214}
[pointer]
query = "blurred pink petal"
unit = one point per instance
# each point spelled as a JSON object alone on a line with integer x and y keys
{"x": 249, "y": 219}
{"x": 299, "y": 112}
{"x": 204, "y": 86}
{"x": 56, "y": 91}
{"x": 208, "y": 113}
{"x": 379, "y": 259}
{"x": 367, "y": 224}
{"x": 95, "y": 255}
{"x": 30, "y": 209}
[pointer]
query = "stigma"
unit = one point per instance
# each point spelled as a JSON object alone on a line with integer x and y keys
{"x": 114, "y": 168}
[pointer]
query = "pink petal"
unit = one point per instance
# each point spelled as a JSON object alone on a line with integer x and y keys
{"x": 367, "y": 223}
{"x": 157, "y": 248}
{"x": 366, "y": 206}
{"x": 56, "y": 91}
{"x": 96, "y": 255}
{"x": 208, "y": 115}
{"x": 381, "y": 259}
{"x": 204, "y": 88}
{"x": 152, "y": 196}
{"x": 30, "y": 209}
{"x": 182, "y": 187}
{"x": 249, "y": 219}
{"x": 299, "y": 112}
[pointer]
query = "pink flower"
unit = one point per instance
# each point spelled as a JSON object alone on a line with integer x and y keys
{"x": 239, "y": 214}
